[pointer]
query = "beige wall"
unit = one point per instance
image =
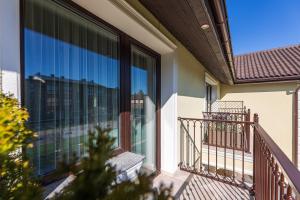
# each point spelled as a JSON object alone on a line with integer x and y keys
{"x": 274, "y": 104}
{"x": 191, "y": 85}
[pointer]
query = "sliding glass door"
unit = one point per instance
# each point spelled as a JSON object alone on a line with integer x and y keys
{"x": 143, "y": 106}
{"x": 77, "y": 76}
{"x": 71, "y": 81}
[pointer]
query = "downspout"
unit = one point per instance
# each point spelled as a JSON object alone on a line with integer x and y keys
{"x": 296, "y": 133}
{"x": 221, "y": 19}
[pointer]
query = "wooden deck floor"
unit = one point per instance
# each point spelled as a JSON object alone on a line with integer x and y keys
{"x": 188, "y": 186}
{"x": 199, "y": 187}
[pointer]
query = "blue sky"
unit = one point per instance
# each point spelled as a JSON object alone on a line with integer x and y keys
{"x": 263, "y": 24}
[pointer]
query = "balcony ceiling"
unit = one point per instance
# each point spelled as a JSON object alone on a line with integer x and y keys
{"x": 184, "y": 18}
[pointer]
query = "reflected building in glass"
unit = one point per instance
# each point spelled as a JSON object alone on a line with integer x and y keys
{"x": 63, "y": 112}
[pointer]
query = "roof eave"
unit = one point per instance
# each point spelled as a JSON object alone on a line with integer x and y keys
{"x": 268, "y": 80}
{"x": 219, "y": 12}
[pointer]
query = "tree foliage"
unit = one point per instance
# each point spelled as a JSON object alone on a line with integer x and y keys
{"x": 16, "y": 181}
{"x": 96, "y": 178}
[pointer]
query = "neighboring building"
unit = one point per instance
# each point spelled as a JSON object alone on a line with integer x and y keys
{"x": 62, "y": 111}
{"x": 267, "y": 82}
{"x": 135, "y": 67}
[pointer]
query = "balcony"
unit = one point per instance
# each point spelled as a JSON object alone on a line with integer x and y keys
{"x": 225, "y": 155}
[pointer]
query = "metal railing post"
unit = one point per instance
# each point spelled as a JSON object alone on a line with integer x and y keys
{"x": 247, "y": 118}
{"x": 255, "y": 120}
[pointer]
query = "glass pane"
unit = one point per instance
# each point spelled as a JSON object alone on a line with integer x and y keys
{"x": 71, "y": 81}
{"x": 143, "y": 106}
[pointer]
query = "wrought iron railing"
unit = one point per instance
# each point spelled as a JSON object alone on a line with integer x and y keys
{"x": 220, "y": 139}
{"x": 200, "y": 154}
{"x": 272, "y": 175}
{"x": 275, "y": 176}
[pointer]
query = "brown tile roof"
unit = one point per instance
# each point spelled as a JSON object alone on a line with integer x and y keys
{"x": 278, "y": 64}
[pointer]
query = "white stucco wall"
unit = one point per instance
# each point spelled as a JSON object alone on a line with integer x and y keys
{"x": 10, "y": 46}
{"x": 169, "y": 72}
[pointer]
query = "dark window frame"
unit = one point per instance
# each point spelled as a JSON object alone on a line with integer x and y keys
{"x": 208, "y": 88}
{"x": 125, "y": 42}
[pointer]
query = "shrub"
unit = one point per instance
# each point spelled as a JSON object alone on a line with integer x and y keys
{"x": 96, "y": 179}
{"x": 15, "y": 138}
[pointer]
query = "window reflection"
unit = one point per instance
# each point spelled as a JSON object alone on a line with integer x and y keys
{"x": 71, "y": 81}
{"x": 143, "y": 106}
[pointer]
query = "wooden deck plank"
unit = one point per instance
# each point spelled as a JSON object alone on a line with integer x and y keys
{"x": 200, "y": 187}
{"x": 187, "y": 186}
